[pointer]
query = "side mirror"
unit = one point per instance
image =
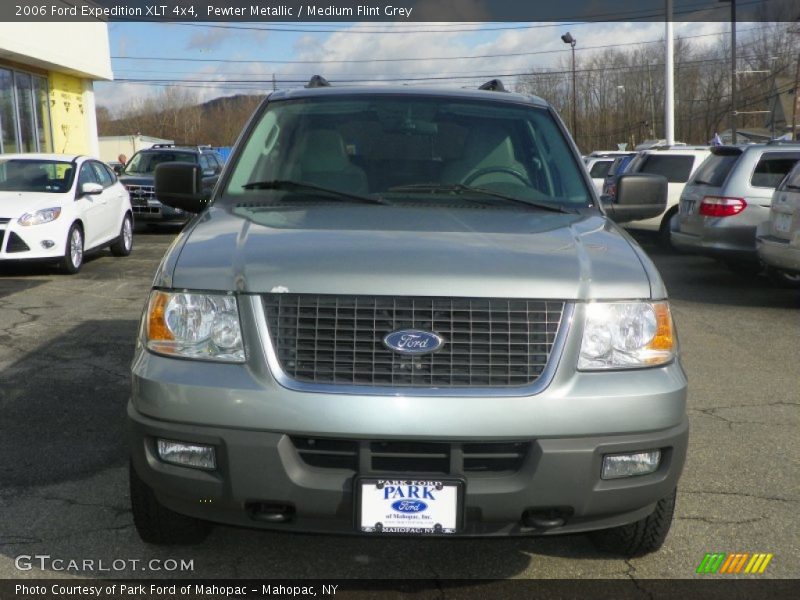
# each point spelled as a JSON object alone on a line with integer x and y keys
{"x": 180, "y": 185}
{"x": 639, "y": 196}
{"x": 118, "y": 169}
{"x": 91, "y": 189}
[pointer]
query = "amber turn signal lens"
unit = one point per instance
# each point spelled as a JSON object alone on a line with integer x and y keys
{"x": 156, "y": 325}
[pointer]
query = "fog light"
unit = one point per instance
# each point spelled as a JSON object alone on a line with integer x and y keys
{"x": 187, "y": 455}
{"x": 630, "y": 465}
{"x": 47, "y": 244}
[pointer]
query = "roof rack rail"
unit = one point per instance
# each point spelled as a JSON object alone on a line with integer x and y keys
{"x": 493, "y": 85}
{"x": 783, "y": 142}
{"x": 318, "y": 81}
{"x": 163, "y": 146}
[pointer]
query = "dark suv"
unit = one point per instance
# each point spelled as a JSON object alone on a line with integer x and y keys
{"x": 137, "y": 177}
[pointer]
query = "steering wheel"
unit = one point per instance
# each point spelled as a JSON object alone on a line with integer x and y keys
{"x": 486, "y": 170}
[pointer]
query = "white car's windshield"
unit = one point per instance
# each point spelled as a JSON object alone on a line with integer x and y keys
{"x": 27, "y": 175}
{"x": 397, "y": 147}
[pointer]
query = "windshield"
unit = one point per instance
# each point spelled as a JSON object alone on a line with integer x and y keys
{"x": 144, "y": 163}
{"x": 408, "y": 147}
{"x": 26, "y": 175}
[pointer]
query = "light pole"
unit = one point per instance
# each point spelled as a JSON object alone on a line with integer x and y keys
{"x": 568, "y": 39}
{"x": 733, "y": 70}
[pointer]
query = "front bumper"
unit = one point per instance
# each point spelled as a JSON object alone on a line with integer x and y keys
{"x": 779, "y": 253}
{"x": 31, "y": 243}
{"x": 153, "y": 211}
{"x": 259, "y": 469}
{"x": 257, "y": 422}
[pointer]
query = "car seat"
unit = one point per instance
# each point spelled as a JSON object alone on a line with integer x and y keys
{"x": 488, "y": 158}
{"x": 323, "y": 161}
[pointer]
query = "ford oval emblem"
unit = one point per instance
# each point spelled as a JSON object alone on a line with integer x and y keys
{"x": 409, "y": 506}
{"x": 413, "y": 341}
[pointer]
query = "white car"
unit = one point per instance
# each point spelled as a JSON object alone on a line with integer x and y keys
{"x": 57, "y": 207}
{"x": 677, "y": 164}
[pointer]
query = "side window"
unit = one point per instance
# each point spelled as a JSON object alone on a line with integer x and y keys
{"x": 600, "y": 169}
{"x": 675, "y": 168}
{"x": 102, "y": 175}
{"x": 86, "y": 175}
{"x": 204, "y": 163}
{"x": 771, "y": 170}
{"x": 793, "y": 181}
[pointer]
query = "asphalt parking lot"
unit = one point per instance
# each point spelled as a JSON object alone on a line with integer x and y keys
{"x": 65, "y": 347}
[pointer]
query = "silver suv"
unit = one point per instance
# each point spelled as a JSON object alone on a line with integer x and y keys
{"x": 403, "y": 312}
{"x": 726, "y": 199}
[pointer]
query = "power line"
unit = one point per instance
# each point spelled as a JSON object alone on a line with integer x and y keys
{"x": 417, "y": 59}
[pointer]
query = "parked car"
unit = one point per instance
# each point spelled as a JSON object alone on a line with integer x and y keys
{"x": 726, "y": 199}
{"x": 676, "y": 164}
{"x": 137, "y": 177}
{"x": 403, "y": 311}
{"x": 57, "y": 207}
{"x": 598, "y": 164}
{"x": 778, "y": 239}
{"x": 615, "y": 171}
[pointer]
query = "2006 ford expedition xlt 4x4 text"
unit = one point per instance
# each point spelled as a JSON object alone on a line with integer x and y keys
{"x": 403, "y": 312}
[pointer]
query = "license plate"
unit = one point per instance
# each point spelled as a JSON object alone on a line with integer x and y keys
{"x": 408, "y": 506}
{"x": 687, "y": 207}
{"x": 783, "y": 222}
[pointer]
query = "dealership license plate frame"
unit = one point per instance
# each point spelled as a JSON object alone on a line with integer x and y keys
{"x": 456, "y": 485}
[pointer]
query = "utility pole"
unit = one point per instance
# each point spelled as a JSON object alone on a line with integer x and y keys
{"x": 796, "y": 98}
{"x": 669, "y": 79}
{"x": 274, "y": 83}
{"x": 652, "y": 103}
{"x": 733, "y": 113}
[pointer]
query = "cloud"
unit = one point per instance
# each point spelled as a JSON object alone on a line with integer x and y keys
{"x": 206, "y": 40}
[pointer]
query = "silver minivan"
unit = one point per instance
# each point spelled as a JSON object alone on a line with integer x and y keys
{"x": 778, "y": 239}
{"x": 404, "y": 311}
{"x": 726, "y": 199}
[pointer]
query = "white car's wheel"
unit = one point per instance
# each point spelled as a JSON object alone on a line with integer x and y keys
{"x": 73, "y": 253}
{"x": 123, "y": 245}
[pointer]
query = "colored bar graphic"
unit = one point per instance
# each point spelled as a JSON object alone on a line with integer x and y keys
{"x": 732, "y": 564}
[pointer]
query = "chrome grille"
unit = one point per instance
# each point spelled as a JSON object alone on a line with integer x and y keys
{"x": 411, "y": 456}
{"x": 493, "y": 342}
{"x": 140, "y": 194}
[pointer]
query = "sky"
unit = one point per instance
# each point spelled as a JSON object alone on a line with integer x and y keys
{"x": 461, "y": 55}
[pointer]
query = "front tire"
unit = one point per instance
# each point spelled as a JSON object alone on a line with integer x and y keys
{"x": 641, "y": 537}
{"x": 123, "y": 245}
{"x": 73, "y": 253}
{"x": 156, "y": 524}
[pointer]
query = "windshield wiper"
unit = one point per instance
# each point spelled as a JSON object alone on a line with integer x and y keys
{"x": 460, "y": 188}
{"x": 791, "y": 186}
{"x": 299, "y": 186}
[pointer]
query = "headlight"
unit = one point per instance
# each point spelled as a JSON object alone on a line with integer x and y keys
{"x": 193, "y": 325}
{"x": 624, "y": 335}
{"x": 40, "y": 216}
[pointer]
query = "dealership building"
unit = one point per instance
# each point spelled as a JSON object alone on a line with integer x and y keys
{"x": 47, "y": 75}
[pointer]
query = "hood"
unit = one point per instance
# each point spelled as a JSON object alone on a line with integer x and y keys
{"x": 15, "y": 204}
{"x": 136, "y": 179}
{"x": 426, "y": 251}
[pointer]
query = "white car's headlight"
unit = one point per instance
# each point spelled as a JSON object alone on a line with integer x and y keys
{"x": 194, "y": 325}
{"x": 625, "y": 335}
{"x": 40, "y": 216}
